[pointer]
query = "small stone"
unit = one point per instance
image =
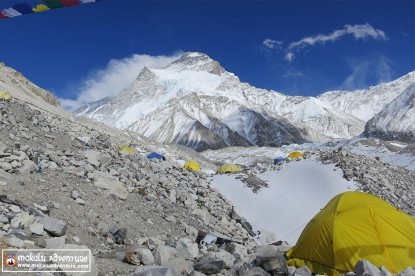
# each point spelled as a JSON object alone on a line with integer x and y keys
{"x": 131, "y": 258}
{"x": 15, "y": 209}
{"x": 80, "y": 201}
{"x": 36, "y": 228}
{"x": 14, "y": 242}
{"x": 74, "y": 194}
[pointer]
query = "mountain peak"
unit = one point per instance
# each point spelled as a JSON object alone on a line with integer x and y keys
{"x": 196, "y": 61}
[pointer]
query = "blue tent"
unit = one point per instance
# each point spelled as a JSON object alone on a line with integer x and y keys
{"x": 279, "y": 160}
{"x": 156, "y": 155}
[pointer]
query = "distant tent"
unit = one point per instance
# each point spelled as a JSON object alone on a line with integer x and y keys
{"x": 355, "y": 226}
{"x": 279, "y": 160}
{"x": 156, "y": 155}
{"x": 295, "y": 154}
{"x": 192, "y": 166}
{"x": 125, "y": 149}
{"x": 228, "y": 168}
{"x": 5, "y": 95}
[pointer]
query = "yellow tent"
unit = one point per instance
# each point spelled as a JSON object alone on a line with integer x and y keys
{"x": 192, "y": 166}
{"x": 126, "y": 149}
{"x": 295, "y": 154}
{"x": 5, "y": 95}
{"x": 228, "y": 168}
{"x": 356, "y": 226}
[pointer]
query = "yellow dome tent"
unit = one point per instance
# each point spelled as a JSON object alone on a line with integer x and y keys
{"x": 5, "y": 95}
{"x": 192, "y": 166}
{"x": 228, "y": 168}
{"x": 355, "y": 226}
{"x": 126, "y": 149}
{"x": 295, "y": 154}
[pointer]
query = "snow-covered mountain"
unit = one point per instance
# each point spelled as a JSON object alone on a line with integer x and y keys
{"x": 195, "y": 102}
{"x": 364, "y": 104}
{"x": 396, "y": 121}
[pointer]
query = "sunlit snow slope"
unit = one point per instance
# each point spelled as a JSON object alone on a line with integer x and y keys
{"x": 296, "y": 193}
{"x": 197, "y": 103}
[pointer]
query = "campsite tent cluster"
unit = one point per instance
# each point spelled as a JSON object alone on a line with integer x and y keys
{"x": 292, "y": 155}
{"x": 189, "y": 165}
{"x": 40, "y": 6}
{"x": 356, "y": 226}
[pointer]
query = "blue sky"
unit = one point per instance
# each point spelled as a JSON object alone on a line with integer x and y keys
{"x": 94, "y": 50}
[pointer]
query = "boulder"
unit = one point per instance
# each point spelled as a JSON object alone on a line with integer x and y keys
{"x": 209, "y": 266}
{"x": 154, "y": 271}
{"x": 366, "y": 268}
{"x": 54, "y": 226}
{"x": 115, "y": 187}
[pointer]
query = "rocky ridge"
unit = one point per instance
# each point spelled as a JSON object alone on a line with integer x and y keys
{"x": 391, "y": 183}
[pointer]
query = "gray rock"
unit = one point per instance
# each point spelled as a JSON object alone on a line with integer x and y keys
{"x": 120, "y": 256}
{"x": 145, "y": 256}
{"x": 366, "y": 268}
{"x": 4, "y": 219}
{"x": 257, "y": 271}
{"x": 409, "y": 271}
{"x": 53, "y": 226}
{"x": 168, "y": 256}
{"x": 222, "y": 255}
{"x": 36, "y": 228}
{"x": 209, "y": 266}
{"x": 80, "y": 201}
{"x": 113, "y": 186}
{"x": 92, "y": 157}
{"x": 303, "y": 271}
{"x": 55, "y": 243}
{"x": 14, "y": 242}
{"x": 74, "y": 194}
{"x": 154, "y": 271}
{"x": 28, "y": 167}
{"x": 385, "y": 271}
{"x": 6, "y": 166}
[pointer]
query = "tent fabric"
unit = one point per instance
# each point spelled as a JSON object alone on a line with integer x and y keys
{"x": 5, "y": 95}
{"x": 192, "y": 166}
{"x": 354, "y": 226}
{"x": 279, "y": 160}
{"x": 126, "y": 149}
{"x": 156, "y": 155}
{"x": 228, "y": 168}
{"x": 23, "y": 8}
{"x": 295, "y": 154}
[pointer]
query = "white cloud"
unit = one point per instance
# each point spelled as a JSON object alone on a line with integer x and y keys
{"x": 272, "y": 44}
{"x": 357, "y": 31}
{"x": 289, "y": 56}
{"x": 117, "y": 75}
{"x": 357, "y": 78}
{"x": 384, "y": 70}
{"x": 366, "y": 73}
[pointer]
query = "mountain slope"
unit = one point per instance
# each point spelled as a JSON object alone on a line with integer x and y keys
{"x": 396, "y": 121}
{"x": 20, "y": 87}
{"x": 364, "y": 104}
{"x": 194, "y": 96}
